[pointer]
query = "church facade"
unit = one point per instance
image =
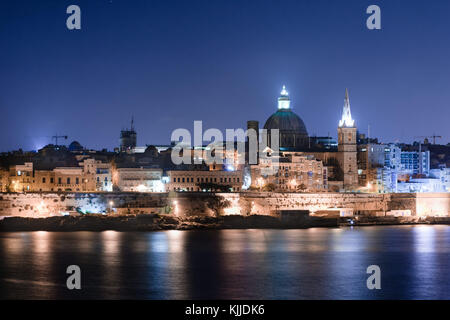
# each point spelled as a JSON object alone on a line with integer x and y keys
{"x": 341, "y": 163}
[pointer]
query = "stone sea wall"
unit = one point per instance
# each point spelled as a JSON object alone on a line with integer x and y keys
{"x": 244, "y": 203}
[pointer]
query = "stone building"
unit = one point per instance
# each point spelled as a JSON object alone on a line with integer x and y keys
{"x": 347, "y": 146}
{"x": 4, "y": 180}
{"x": 138, "y": 179}
{"x": 101, "y": 171}
{"x": 21, "y": 177}
{"x": 193, "y": 180}
{"x": 293, "y": 171}
{"x": 341, "y": 163}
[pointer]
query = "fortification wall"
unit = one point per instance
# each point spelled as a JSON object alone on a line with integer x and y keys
{"x": 245, "y": 203}
{"x": 56, "y": 204}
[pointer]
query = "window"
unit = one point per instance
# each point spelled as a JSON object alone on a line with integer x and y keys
{"x": 52, "y": 180}
{"x": 77, "y": 180}
{"x": 43, "y": 180}
{"x": 174, "y": 179}
{"x": 183, "y": 179}
{"x": 178, "y": 179}
{"x": 68, "y": 180}
{"x": 238, "y": 181}
{"x": 59, "y": 181}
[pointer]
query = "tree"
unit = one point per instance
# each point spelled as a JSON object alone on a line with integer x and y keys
{"x": 217, "y": 204}
{"x": 270, "y": 187}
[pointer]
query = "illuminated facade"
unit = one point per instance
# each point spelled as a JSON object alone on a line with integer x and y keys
{"x": 4, "y": 180}
{"x": 21, "y": 177}
{"x": 347, "y": 146}
{"x": 294, "y": 171}
{"x": 200, "y": 180}
{"x": 138, "y": 179}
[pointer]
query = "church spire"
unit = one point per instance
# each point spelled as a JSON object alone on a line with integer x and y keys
{"x": 283, "y": 100}
{"x": 346, "y": 120}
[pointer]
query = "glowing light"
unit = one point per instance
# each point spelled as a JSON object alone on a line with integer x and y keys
{"x": 293, "y": 183}
{"x": 260, "y": 182}
{"x": 141, "y": 188}
{"x": 229, "y": 168}
{"x": 284, "y": 101}
{"x": 176, "y": 209}
{"x": 346, "y": 120}
{"x": 158, "y": 186}
{"x": 41, "y": 208}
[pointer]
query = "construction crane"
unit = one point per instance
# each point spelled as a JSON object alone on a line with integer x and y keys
{"x": 56, "y": 137}
{"x": 434, "y": 136}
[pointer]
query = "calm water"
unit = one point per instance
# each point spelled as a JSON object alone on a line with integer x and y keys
{"x": 229, "y": 264}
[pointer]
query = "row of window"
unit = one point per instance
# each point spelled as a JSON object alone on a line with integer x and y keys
{"x": 197, "y": 189}
{"x": 199, "y": 180}
{"x": 68, "y": 180}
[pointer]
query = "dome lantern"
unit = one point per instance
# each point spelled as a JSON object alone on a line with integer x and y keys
{"x": 283, "y": 100}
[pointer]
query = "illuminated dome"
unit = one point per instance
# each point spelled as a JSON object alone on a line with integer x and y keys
{"x": 286, "y": 120}
{"x": 292, "y": 129}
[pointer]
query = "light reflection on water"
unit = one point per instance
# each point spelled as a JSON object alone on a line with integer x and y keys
{"x": 229, "y": 264}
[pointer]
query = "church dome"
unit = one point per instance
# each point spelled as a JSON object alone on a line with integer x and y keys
{"x": 292, "y": 129}
{"x": 286, "y": 120}
{"x": 75, "y": 146}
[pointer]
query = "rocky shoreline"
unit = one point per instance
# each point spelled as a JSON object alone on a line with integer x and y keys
{"x": 155, "y": 222}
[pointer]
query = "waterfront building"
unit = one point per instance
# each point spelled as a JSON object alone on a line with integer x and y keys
{"x": 205, "y": 180}
{"x": 21, "y": 177}
{"x": 138, "y": 179}
{"x": 414, "y": 163}
{"x": 294, "y": 171}
{"x": 443, "y": 174}
{"x": 371, "y": 157}
{"x": 101, "y": 172}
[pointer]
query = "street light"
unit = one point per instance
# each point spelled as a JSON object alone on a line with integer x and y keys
{"x": 294, "y": 183}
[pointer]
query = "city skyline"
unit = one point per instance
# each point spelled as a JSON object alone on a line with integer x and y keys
{"x": 168, "y": 65}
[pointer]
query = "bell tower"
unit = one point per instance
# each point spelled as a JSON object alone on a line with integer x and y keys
{"x": 347, "y": 146}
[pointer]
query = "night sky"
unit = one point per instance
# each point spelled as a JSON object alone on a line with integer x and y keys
{"x": 169, "y": 63}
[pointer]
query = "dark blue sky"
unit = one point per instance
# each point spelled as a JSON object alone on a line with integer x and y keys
{"x": 221, "y": 61}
